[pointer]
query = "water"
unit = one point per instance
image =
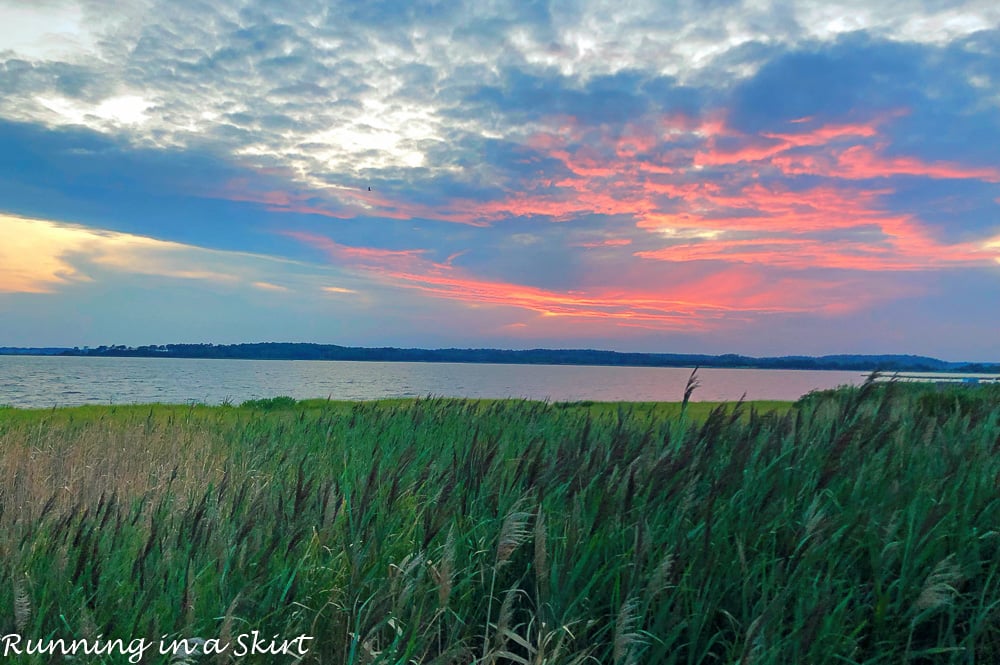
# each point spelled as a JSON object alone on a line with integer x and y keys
{"x": 42, "y": 382}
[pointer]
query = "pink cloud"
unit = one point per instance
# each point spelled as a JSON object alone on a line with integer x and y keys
{"x": 693, "y": 303}
{"x": 610, "y": 242}
{"x": 706, "y": 193}
{"x": 862, "y": 162}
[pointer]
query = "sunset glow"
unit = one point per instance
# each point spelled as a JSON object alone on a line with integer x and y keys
{"x": 726, "y": 179}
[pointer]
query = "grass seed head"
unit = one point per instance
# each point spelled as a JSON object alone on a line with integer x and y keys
{"x": 541, "y": 556}
{"x": 22, "y": 603}
{"x": 444, "y": 574}
{"x": 513, "y": 533}
{"x": 627, "y": 638}
{"x": 940, "y": 587}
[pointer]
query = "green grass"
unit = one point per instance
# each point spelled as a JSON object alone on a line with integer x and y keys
{"x": 857, "y": 526}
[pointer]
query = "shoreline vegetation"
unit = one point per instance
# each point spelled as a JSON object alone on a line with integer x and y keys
{"x": 308, "y": 351}
{"x": 858, "y": 525}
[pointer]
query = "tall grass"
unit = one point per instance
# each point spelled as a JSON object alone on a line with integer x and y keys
{"x": 859, "y": 527}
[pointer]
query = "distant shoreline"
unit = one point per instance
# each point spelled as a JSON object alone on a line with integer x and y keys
{"x": 587, "y": 357}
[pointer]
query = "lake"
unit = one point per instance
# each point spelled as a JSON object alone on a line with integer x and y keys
{"x": 44, "y": 381}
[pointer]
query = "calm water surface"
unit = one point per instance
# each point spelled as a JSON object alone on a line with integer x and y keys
{"x": 33, "y": 382}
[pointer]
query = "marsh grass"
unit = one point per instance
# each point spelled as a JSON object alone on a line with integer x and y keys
{"x": 859, "y": 526}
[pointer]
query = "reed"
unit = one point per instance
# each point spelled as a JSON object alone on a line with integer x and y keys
{"x": 859, "y": 526}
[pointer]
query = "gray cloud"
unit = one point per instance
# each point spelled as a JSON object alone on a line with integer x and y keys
{"x": 437, "y": 101}
{"x": 385, "y": 87}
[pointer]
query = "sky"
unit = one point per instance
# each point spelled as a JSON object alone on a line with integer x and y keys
{"x": 720, "y": 176}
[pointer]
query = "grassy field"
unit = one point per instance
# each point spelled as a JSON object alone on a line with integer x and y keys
{"x": 856, "y": 526}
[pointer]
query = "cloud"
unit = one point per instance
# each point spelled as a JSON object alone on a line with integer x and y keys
{"x": 702, "y": 301}
{"x": 31, "y": 256}
{"x": 267, "y": 286}
{"x": 445, "y": 123}
{"x": 615, "y": 165}
{"x": 610, "y": 242}
{"x": 44, "y": 29}
{"x": 185, "y": 195}
{"x": 215, "y": 76}
{"x": 39, "y": 256}
{"x": 44, "y": 256}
